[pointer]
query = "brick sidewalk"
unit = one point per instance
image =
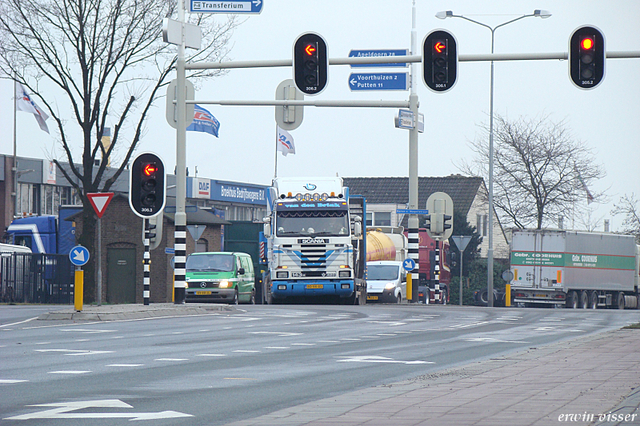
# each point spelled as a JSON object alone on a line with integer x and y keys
{"x": 564, "y": 383}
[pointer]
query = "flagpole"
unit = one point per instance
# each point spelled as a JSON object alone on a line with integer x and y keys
{"x": 275, "y": 172}
{"x": 14, "y": 168}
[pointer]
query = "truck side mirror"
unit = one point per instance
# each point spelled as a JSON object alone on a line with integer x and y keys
{"x": 241, "y": 271}
{"x": 267, "y": 227}
{"x": 357, "y": 226}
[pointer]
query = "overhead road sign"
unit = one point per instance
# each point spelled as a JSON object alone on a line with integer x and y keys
{"x": 226, "y": 6}
{"x": 379, "y": 81}
{"x": 412, "y": 211}
{"x": 378, "y": 53}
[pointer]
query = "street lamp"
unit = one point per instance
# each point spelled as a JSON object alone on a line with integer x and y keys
{"x": 449, "y": 14}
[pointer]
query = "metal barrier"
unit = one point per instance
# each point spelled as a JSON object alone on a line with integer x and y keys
{"x": 36, "y": 278}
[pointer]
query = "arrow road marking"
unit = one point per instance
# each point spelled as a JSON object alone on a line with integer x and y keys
{"x": 65, "y": 410}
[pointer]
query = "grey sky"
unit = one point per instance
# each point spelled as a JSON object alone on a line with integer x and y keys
{"x": 364, "y": 142}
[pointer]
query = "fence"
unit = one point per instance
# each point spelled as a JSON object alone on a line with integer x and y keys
{"x": 36, "y": 278}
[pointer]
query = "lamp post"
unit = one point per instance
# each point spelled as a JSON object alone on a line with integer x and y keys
{"x": 449, "y": 14}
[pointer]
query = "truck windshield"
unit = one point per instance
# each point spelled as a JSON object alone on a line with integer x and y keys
{"x": 210, "y": 262}
{"x": 312, "y": 223}
{"x": 382, "y": 272}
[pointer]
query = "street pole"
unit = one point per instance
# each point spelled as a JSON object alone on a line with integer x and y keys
{"x": 180, "y": 234}
{"x": 414, "y": 231}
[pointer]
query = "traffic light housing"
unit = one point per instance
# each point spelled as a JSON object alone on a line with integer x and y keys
{"x": 439, "y": 60}
{"x": 587, "y": 56}
{"x": 147, "y": 185}
{"x": 310, "y": 63}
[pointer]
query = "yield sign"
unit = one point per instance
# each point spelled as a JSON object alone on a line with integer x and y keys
{"x": 100, "y": 201}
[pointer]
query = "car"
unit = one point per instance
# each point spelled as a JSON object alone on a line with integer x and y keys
{"x": 220, "y": 277}
{"x": 386, "y": 281}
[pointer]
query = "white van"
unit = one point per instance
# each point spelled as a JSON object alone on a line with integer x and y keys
{"x": 386, "y": 281}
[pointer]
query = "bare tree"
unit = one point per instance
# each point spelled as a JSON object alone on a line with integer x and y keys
{"x": 92, "y": 62}
{"x": 628, "y": 206}
{"x": 540, "y": 172}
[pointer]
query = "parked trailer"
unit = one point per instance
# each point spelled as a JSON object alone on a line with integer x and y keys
{"x": 575, "y": 269}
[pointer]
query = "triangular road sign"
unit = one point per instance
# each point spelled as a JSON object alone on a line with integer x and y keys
{"x": 100, "y": 201}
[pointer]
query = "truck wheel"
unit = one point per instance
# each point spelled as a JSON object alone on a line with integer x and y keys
{"x": 252, "y": 299}
{"x": 572, "y": 300}
{"x": 621, "y": 300}
{"x": 593, "y": 300}
{"x": 399, "y": 298}
{"x": 234, "y": 301}
{"x": 584, "y": 299}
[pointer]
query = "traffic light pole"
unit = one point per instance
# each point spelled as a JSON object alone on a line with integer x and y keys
{"x": 414, "y": 225}
{"x": 180, "y": 236}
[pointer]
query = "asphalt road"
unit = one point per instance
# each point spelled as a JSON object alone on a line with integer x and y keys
{"x": 218, "y": 368}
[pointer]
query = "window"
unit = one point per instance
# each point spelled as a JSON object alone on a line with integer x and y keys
{"x": 382, "y": 218}
{"x": 369, "y": 220}
{"x": 482, "y": 223}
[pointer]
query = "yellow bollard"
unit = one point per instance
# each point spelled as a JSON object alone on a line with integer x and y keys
{"x": 78, "y": 290}
{"x": 409, "y": 287}
{"x": 507, "y": 295}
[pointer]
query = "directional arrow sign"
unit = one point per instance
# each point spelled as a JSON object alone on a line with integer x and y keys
{"x": 100, "y": 201}
{"x": 376, "y": 53}
{"x": 226, "y": 6}
{"x": 378, "y": 81}
{"x": 409, "y": 265}
{"x": 65, "y": 410}
{"x": 79, "y": 255}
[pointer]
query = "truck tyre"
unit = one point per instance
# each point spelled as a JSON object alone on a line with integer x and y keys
{"x": 399, "y": 298}
{"x": 572, "y": 300}
{"x": 252, "y": 299}
{"x": 621, "y": 300}
{"x": 584, "y": 299}
{"x": 593, "y": 300}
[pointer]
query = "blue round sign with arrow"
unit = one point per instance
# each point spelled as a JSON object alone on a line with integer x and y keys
{"x": 79, "y": 255}
{"x": 409, "y": 265}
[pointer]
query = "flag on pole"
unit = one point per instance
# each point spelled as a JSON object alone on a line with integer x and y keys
{"x": 204, "y": 121}
{"x": 285, "y": 142}
{"x": 26, "y": 104}
{"x": 584, "y": 186}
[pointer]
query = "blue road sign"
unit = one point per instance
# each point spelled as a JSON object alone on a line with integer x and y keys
{"x": 378, "y": 81}
{"x": 377, "y": 53}
{"x": 409, "y": 265}
{"x": 412, "y": 211}
{"x": 79, "y": 255}
{"x": 226, "y": 6}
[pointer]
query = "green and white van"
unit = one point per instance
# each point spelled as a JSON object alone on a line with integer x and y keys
{"x": 220, "y": 277}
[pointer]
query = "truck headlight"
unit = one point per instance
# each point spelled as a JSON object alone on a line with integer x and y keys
{"x": 282, "y": 274}
{"x": 344, "y": 274}
{"x": 390, "y": 286}
{"x": 224, "y": 284}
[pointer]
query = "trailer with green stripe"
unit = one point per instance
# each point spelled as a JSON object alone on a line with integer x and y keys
{"x": 574, "y": 269}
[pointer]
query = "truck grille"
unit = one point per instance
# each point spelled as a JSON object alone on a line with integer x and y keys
{"x": 313, "y": 256}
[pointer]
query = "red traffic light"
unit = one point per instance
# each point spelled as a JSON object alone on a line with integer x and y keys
{"x": 587, "y": 43}
{"x": 439, "y": 47}
{"x": 149, "y": 169}
{"x": 311, "y": 49}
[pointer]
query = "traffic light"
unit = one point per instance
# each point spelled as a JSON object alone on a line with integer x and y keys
{"x": 439, "y": 60}
{"x": 310, "y": 63}
{"x": 147, "y": 185}
{"x": 586, "y": 57}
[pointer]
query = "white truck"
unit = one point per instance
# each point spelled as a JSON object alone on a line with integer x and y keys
{"x": 315, "y": 246}
{"x": 574, "y": 269}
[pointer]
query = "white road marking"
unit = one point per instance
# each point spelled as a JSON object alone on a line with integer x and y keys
{"x": 473, "y": 324}
{"x": 19, "y": 322}
{"x": 303, "y": 344}
{"x": 246, "y": 351}
{"x": 493, "y": 340}
{"x": 276, "y": 347}
{"x": 171, "y": 359}
{"x": 87, "y": 330}
{"x": 277, "y": 333}
{"x": 70, "y": 372}
{"x": 211, "y": 355}
{"x": 125, "y": 365}
{"x": 74, "y": 352}
{"x": 380, "y": 359}
{"x": 350, "y": 339}
{"x": 65, "y": 410}
{"x": 328, "y": 341}
{"x": 11, "y": 381}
